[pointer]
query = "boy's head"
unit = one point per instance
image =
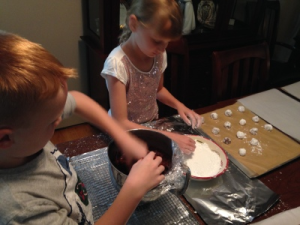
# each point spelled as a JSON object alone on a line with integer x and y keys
{"x": 29, "y": 75}
{"x": 33, "y": 92}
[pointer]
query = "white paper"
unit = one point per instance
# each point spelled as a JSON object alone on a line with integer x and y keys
{"x": 289, "y": 217}
{"x": 293, "y": 89}
{"x": 276, "y": 108}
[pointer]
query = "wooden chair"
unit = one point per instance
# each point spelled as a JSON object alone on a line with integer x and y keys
{"x": 240, "y": 71}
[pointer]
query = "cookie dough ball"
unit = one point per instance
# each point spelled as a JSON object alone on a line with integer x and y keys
{"x": 255, "y": 119}
{"x": 214, "y": 115}
{"x": 242, "y": 122}
{"x": 254, "y": 142}
{"x": 227, "y": 124}
{"x": 241, "y": 108}
{"x": 228, "y": 112}
{"x": 215, "y": 130}
{"x": 242, "y": 152}
{"x": 227, "y": 140}
{"x": 253, "y": 130}
{"x": 240, "y": 135}
{"x": 268, "y": 127}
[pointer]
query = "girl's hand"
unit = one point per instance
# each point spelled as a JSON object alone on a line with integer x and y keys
{"x": 145, "y": 174}
{"x": 190, "y": 117}
{"x": 187, "y": 145}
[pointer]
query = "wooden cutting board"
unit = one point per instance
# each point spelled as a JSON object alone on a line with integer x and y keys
{"x": 274, "y": 148}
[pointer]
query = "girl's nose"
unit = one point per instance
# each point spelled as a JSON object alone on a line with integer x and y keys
{"x": 162, "y": 47}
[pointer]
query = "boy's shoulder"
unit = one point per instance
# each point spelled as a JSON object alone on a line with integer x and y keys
{"x": 50, "y": 177}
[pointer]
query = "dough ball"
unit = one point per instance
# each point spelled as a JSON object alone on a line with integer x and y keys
{"x": 242, "y": 152}
{"x": 228, "y": 112}
{"x": 227, "y": 140}
{"x": 241, "y": 108}
{"x": 253, "y": 130}
{"x": 254, "y": 142}
{"x": 215, "y": 130}
{"x": 255, "y": 119}
{"x": 227, "y": 124}
{"x": 268, "y": 127}
{"x": 240, "y": 134}
{"x": 214, "y": 115}
{"x": 242, "y": 122}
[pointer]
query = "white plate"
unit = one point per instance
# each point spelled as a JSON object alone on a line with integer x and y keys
{"x": 214, "y": 147}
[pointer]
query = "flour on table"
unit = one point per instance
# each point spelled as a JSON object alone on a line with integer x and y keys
{"x": 203, "y": 162}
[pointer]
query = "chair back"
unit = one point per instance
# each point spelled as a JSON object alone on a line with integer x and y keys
{"x": 240, "y": 71}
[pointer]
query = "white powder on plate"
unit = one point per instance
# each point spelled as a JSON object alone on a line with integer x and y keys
{"x": 203, "y": 162}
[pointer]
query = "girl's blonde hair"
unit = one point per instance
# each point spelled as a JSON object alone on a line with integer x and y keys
{"x": 29, "y": 75}
{"x": 155, "y": 13}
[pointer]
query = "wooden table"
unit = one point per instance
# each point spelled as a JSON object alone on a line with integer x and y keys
{"x": 284, "y": 181}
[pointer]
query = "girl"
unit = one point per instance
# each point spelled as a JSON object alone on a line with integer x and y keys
{"x": 134, "y": 70}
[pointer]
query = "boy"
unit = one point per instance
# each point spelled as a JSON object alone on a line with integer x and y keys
{"x": 37, "y": 184}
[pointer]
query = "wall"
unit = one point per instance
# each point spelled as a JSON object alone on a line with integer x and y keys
{"x": 57, "y": 25}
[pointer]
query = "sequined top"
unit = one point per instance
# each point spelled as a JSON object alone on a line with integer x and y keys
{"x": 141, "y": 87}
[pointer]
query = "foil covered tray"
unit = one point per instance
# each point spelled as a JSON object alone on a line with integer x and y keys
{"x": 93, "y": 170}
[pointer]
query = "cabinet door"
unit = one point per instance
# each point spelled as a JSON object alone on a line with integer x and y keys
{"x": 102, "y": 23}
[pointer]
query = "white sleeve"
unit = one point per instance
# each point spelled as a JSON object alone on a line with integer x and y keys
{"x": 114, "y": 67}
{"x": 165, "y": 63}
{"x": 70, "y": 106}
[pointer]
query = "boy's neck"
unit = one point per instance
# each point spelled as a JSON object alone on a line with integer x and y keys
{"x": 11, "y": 163}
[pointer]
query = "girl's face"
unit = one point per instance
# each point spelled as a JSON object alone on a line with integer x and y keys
{"x": 149, "y": 41}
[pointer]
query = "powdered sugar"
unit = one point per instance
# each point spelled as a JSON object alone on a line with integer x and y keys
{"x": 203, "y": 162}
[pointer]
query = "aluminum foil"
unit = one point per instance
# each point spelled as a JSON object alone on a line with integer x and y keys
{"x": 174, "y": 178}
{"x": 232, "y": 198}
{"x": 93, "y": 170}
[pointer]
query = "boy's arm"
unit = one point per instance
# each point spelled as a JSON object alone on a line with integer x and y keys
{"x": 144, "y": 175}
{"x": 92, "y": 112}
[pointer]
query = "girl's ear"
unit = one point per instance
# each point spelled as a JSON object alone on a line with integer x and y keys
{"x": 132, "y": 22}
{"x": 5, "y": 138}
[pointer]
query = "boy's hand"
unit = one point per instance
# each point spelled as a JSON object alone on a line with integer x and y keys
{"x": 133, "y": 149}
{"x": 145, "y": 174}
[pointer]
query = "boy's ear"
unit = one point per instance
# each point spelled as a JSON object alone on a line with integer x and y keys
{"x": 132, "y": 22}
{"x": 5, "y": 138}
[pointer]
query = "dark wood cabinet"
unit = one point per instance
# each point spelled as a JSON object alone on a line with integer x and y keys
{"x": 188, "y": 75}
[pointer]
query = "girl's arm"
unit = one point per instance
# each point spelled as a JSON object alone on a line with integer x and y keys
{"x": 118, "y": 106}
{"x": 189, "y": 116}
